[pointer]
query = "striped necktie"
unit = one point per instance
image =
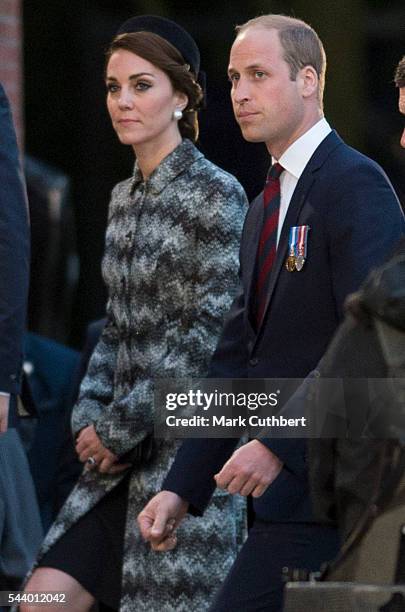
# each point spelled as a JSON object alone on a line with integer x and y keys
{"x": 266, "y": 252}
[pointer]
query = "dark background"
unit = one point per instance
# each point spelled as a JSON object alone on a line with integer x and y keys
{"x": 68, "y": 128}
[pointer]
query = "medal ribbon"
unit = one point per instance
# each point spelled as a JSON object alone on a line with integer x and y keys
{"x": 302, "y": 240}
{"x": 292, "y": 241}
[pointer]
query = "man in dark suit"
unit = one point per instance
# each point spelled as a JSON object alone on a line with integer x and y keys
{"x": 328, "y": 214}
{"x": 14, "y": 266}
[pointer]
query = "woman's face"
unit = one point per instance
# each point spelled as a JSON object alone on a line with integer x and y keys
{"x": 141, "y": 101}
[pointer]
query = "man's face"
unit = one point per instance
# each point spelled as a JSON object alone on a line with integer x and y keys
{"x": 402, "y": 111}
{"x": 267, "y": 104}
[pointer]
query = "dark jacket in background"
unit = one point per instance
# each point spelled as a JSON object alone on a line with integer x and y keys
{"x": 345, "y": 473}
{"x": 20, "y": 527}
{"x": 14, "y": 254}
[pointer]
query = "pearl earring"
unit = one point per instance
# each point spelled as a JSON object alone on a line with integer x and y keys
{"x": 177, "y": 114}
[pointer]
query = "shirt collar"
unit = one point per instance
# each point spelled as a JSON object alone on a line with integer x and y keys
{"x": 171, "y": 166}
{"x": 298, "y": 154}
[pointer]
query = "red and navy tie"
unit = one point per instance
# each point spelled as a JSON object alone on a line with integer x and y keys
{"x": 266, "y": 252}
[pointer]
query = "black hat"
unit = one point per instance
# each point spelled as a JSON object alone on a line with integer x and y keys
{"x": 170, "y": 31}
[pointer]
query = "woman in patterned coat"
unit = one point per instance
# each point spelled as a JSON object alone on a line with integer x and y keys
{"x": 170, "y": 265}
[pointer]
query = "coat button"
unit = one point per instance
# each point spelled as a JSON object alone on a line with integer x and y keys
{"x": 254, "y": 361}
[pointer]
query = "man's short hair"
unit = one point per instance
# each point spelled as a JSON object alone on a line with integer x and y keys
{"x": 301, "y": 44}
{"x": 399, "y": 77}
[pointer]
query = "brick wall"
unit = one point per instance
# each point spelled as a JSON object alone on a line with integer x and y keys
{"x": 11, "y": 59}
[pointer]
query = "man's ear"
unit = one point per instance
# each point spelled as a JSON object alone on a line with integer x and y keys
{"x": 309, "y": 81}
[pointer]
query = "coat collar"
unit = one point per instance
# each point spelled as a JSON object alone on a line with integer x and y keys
{"x": 295, "y": 159}
{"x": 171, "y": 166}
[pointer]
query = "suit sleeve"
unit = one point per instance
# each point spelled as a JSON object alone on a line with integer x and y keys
{"x": 192, "y": 473}
{"x": 14, "y": 254}
{"x": 126, "y": 421}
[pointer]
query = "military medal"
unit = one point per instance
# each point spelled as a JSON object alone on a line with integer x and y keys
{"x": 290, "y": 263}
{"x": 299, "y": 263}
{"x": 302, "y": 239}
{"x": 297, "y": 248}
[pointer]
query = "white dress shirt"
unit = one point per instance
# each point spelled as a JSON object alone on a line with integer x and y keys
{"x": 294, "y": 160}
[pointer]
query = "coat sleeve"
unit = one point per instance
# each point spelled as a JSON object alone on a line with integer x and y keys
{"x": 14, "y": 254}
{"x": 96, "y": 389}
{"x": 128, "y": 420}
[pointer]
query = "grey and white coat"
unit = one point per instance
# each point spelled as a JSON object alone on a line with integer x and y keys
{"x": 170, "y": 264}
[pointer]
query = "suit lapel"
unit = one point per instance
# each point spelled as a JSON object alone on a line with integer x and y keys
{"x": 304, "y": 185}
{"x": 251, "y": 239}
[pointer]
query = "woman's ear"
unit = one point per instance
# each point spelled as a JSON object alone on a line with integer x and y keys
{"x": 181, "y": 100}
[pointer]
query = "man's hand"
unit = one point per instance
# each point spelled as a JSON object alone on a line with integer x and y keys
{"x": 88, "y": 444}
{"x": 160, "y": 518}
{"x": 4, "y": 406}
{"x": 250, "y": 470}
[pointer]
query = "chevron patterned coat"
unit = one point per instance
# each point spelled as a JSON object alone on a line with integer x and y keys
{"x": 170, "y": 265}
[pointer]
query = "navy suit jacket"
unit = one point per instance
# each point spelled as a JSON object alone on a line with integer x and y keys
{"x": 14, "y": 254}
{"x": 356, "y": 221}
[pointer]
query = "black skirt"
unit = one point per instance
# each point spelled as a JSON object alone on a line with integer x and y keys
{"x": 91, "y": 551}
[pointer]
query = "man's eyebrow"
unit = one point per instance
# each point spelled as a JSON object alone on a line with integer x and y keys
{"x": 255, "y": 66}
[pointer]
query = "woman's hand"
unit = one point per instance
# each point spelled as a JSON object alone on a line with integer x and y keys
{"x": 90, "y": 447}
